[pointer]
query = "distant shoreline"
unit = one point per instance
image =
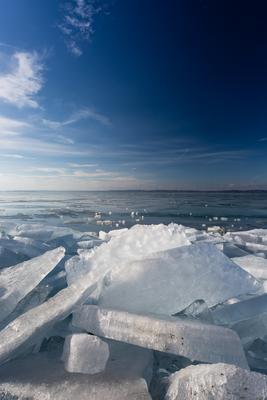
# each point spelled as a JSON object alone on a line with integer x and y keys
{"x": 138, "y": 190}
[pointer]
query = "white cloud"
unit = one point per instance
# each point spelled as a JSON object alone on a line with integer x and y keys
{"x": 77, "y": 24}
{"x": 9, "y": 126}
{"x": 23, "y": 81}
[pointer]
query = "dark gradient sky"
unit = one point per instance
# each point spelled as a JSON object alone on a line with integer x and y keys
{"x": 164, "y": 94}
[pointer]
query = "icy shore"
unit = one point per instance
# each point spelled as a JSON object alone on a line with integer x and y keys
{"x": 151, "y": 312}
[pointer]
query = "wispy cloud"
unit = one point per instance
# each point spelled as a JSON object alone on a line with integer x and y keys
{"x": 23, "y": 80}
{"x": 264, "y": 139}
{"x": 77, "y": 24}
{"x": 53, "y": 182}
{"x": 31, "y": 146}
{"x": 9, "y": 126}
{"x": 50, "y": 170}
{"x": 17, "y": 156}
{"x": 74, "y": 165}
{"x": 63, "y": 139}
{"x": 84, "y": 113}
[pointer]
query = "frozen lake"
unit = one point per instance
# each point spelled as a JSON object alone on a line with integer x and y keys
{"x": 233, "y": 210}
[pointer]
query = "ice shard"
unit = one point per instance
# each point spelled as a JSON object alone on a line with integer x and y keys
{"x": 27, "y": 330}
{"x": 16, "y": 282}
{"x": 169, "y": 281}
{"x": 191, "y": 339}
{"x": 216, "y": 382}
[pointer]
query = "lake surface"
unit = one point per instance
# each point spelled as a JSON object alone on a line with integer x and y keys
{"x": 232, "y": 210}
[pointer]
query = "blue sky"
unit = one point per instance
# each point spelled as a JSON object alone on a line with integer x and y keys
{"x": 131, "y": 94}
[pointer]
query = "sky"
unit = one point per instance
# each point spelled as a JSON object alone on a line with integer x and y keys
{"x": 133, "y": 94}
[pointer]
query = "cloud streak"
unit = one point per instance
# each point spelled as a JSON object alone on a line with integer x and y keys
{"x": 23, "y": 80}
{"x": 77, "y": 24}
{"x": 11, "y": 127}
{"x": 83, "y": 114}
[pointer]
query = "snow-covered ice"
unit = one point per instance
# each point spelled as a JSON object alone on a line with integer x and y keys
{"x": 129, "y": 244}
{"x": 216, "y": 382}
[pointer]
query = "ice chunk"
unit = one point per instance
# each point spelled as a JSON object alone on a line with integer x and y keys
{"x": 216, "y": 229}
{"x": 256, "y": 353}
{"x": 107, "y": 236}
{"x": 216, "y": 382}
{"x": 191, "y": 339}
{"x": 17, "y": 281}
{"x": 173, "y": 279}
{"x": 256, "y": 248}
{"x": 27, "y": 330}
{"x": 46, "y": 233}
{"x": 39, "y": 377}
{"x": 132, "y": 244}
{"x": 251, "y": 329}
{"x": 197, "y": 310}
{"x": 76, "y": 267}
{"x": 252, "y": 236}
{"x": 85, "y": 354}
{"x": 248, "y": 318}
{"x": 89, "y": 244}
{"x": 240, "y": 311}
{"x": 256, "y": 266}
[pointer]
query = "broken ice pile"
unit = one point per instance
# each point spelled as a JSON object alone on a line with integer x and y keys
{"x": 148, "y": 312}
